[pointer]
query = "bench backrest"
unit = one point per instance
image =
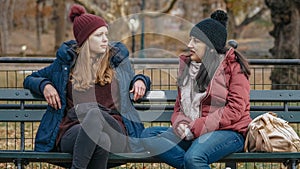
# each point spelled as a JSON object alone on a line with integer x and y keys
{"x": 20, "y": 106}
{"x": 156, "y": 106}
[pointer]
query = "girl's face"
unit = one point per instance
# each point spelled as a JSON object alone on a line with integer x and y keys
{"x": 197, "y": 48}
{"x": 98, "y": 41}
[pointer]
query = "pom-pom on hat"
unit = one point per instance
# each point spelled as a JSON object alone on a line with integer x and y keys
{"x": 212, "y": 31}
{"x": 84, "y": 24}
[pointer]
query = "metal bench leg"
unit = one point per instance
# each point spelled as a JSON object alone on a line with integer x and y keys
{"x": 292, "y": 164}
{"x": 19, "y": 166}
{"x": 231, "y": 165}
{"x": 20, "y": 163}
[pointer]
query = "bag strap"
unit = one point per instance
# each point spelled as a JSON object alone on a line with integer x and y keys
{"x": 246, "y": 143}
{"x": 258, "y": 141}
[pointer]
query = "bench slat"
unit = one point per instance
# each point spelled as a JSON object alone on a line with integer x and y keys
{"x": 155, "y": 116}
{"x": 255, "y": 95}
{"x": 21, "y": 115}
{"x": 19, "y": 94}
{"x": 54, "y": 157}
{"x": 261, "y": 157}
{"x": 290, "y": 116}
{"x": 275, "y": 95}
{"x": 167, "y": 95}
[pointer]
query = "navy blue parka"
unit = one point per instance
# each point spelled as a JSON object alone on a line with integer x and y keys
{"x": 58, "y": 74}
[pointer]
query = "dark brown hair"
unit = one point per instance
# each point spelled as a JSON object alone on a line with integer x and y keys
{"x": 210, "y": 63}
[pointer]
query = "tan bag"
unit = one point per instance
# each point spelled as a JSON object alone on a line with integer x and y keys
{"x": 268, "y": 133}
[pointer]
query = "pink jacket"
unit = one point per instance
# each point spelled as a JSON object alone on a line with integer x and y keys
{"x": 226, "y": 105}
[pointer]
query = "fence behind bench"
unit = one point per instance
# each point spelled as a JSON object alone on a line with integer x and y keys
{"x": 163, "y": 71}
{"x": 20, "y": 108}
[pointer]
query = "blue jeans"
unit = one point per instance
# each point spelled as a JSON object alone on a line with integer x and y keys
{"x": 164, "y": 144}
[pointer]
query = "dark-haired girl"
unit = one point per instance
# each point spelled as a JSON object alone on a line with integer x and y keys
{"x": 211, "y": 113}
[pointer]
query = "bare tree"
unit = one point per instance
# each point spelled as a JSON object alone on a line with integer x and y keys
{"x": 237, "y": 9}
{"x": 94, "y": 9}
{"x": 285, "y": 17}
{"x": 44, "y": 17}
{"x": 11, "y": 14}
{"x": 59, "y": 10}
{"x": 167, "y": 8}
{"x": 119, "y": 8}
{"x": 4, "y": 25}
{"x": 38, "y": 19}
{"x": 0, "y": 44}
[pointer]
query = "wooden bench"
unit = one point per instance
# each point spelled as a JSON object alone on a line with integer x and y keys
{"x": 21, "y": 106}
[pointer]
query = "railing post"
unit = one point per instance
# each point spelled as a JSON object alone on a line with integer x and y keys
{"x": 230, "y": 165}
{"x": 22, "y": 130}
{"x": 291, "y": 164}
{"x": 20, "y": 162}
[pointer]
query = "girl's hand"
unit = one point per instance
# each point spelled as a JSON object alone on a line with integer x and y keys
{"x": 52, "y": 97}
{"x": 181, "y": 130}
{"x": 138, "y": 90}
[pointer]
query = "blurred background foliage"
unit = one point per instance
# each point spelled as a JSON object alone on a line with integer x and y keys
{"x": 263, "y": 28}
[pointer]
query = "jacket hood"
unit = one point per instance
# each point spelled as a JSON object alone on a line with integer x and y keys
{"x": 66, "y": 52}
{"x": 119, "y": 53}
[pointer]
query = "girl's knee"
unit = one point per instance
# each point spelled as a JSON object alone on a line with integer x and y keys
{"x": 104, "y": 141}
{"x": 150, "y": 132}
{"x": 146, "y": 133}
{"x": 191, "y": 159}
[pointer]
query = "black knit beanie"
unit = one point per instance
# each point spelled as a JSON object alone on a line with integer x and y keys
{"x": 212, "y": 31}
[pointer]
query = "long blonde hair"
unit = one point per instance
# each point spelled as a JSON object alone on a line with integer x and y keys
{"x": 86, "y": 72}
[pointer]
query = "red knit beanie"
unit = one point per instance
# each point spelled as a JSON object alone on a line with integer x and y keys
{"x": 84, "y": 24}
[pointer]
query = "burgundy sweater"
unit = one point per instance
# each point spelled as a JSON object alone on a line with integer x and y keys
{"x": 105, "y": 95}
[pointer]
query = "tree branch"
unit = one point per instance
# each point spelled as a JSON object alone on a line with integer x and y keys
{"x": 94, "y": 9}
{"x": 160, "y": 12}
{"x": 248, "y": 20}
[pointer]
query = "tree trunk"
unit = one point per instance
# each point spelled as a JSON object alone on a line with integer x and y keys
{"x": 11, "y": 15}
{"x": 44, "y": 19}
{"x": 3, "y": 26}
{"x": 38, "y": 26}
{"x": 235, "y": 29}
{"x": 231, "y": 27}
{"x": 0, "y": 43}
{"x": 285, "y": 17}
{"x": 59, "y": 10}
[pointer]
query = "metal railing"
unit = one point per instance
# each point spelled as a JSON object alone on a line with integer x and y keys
{"x": 162, "y": 71}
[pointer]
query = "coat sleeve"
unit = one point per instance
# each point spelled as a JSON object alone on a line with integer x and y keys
{"x": 38, "y": 80}
{"x": 142, "y": 77}
{"x": 123, "y": 54}
{"x": 234, "y": 108}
